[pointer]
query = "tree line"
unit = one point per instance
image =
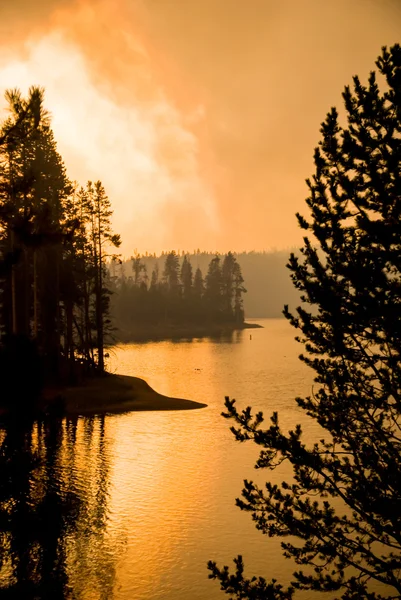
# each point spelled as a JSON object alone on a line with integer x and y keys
{"x": 179, "y": 295}
{"x": 268, "y": 284}
{"x": 54, "y": 242}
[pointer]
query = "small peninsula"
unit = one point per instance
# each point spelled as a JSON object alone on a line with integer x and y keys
{"x": 116, "y": 394}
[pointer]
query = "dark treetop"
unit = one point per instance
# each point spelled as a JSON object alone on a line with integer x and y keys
{"x": 349, "y": 276}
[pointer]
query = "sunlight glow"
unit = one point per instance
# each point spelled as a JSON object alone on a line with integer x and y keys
{"x": 141, "y": 151}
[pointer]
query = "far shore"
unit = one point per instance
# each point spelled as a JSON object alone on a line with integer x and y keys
{"x": 144, "y": 333}
{"x": 118, "y": 394}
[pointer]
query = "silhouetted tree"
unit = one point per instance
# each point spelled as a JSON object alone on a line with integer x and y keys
{"x": 239, "y": 290}
{"x": 102, "y": 237}
{"x": 198, "y": 296}
{"x": 138, "y": 267}
{"x": 186, "y": 278}
{"x": 342, "y": 512}
{"x": 154, "y": 280}
{"x": 199, "y": 287}
{"x": 232, "y": 289}
{"x": 227, "y": 284}
{"x": 213, "y": 299}
{"x": 171, "y": 272}
{"x": 34, "y": 187}
{"x": 53, "y": 238}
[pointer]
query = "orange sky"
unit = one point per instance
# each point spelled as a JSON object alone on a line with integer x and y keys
{"x": 199, "y": 116}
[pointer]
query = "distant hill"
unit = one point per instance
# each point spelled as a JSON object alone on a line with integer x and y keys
{"x": 267, "y": 279}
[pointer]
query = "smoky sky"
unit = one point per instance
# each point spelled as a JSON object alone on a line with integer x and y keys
{"x": 250, "y": 82}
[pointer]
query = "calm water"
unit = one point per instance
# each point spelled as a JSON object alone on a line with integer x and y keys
{"x": 131, "y": 507}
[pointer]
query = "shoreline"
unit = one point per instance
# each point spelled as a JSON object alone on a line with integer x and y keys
{"x": 113, "y": 394}
{"x": 102, "y": 395}
{"x": 148, "y": 333}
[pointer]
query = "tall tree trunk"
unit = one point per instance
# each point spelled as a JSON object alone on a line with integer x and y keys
{"x": 88, "y": 328}
{"x": 99, "y": 300}
{"x": 69, "y": 341}
{"x": 27, "y": 295}
{"x": 35, "y": 295}
{"x": 13, "y": 292}
{"x": 99, "y": 341}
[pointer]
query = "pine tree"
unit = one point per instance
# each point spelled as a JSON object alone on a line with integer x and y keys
{"x": 154, "y": 280}
{"x": 239, "y": 289}
{"x": 349, "y": 275}
{"x": 171, "y": 272}
{"x": 213, "y": 290}
{"x": 227, "y": 280}
{"x": 102, "y": 237}
{"x": 34, "y": 188}
{"x": 138, "y": 267}
{"x": 53, "y": 242}
{"x": 186, "y": 278}
{"x": 199, "y": 287}
{"x": 84, "y": 269}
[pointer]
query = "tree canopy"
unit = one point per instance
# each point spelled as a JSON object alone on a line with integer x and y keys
{"x": 53, "y": 237}
{"x": 178, "y": 297}
{"x": 341, "y": 512}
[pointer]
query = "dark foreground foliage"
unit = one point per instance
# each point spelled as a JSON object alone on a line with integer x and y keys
{"x": 343, "y": 505}
{"x": 53, "y": 242}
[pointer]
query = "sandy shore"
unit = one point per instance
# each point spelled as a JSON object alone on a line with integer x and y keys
{"x": 119, "y": 393}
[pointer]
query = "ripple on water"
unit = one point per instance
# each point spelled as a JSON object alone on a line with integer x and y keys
{"x": 137, "y": 503}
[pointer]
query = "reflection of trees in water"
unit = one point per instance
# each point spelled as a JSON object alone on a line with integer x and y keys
{"x": 53, "y": 511}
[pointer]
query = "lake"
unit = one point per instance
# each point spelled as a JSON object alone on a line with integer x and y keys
{"x": 132, "y": 506}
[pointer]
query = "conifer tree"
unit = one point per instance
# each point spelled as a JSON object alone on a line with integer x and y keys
{"x": 239, "y": 289}
{"x": 52, "y": 251}
{"x": 171, "y": 272}
{"x": 154, "y": 280}
{"x": 341, "y": 514}
{"x": 102, "y": 238}
{"x": 186, "y": 278}
{"x": 213, "y": 289}
{"x": 199, "y": 287}
{"x": 227, "y": 284}
{"x": 34, "y": 189}
{"x": 138, "y": 267}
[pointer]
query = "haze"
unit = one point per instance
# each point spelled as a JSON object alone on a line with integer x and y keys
{"x": 199, "y": 116}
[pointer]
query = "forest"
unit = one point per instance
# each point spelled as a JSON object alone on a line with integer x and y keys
{"x": 55, "y": 238}
{"x": 266, "y": 277}
{"x": 177, "y": 297}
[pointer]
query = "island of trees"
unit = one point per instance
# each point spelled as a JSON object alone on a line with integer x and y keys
{"x": 268, "y": 286}
{"x": 179, "y": 300}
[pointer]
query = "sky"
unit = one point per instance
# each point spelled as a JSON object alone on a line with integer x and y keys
{"x": 200, "y": 117}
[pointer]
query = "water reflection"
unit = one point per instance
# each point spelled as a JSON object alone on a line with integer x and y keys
{"x": 224, "y": 337}
{"x": 132, "y": 506}
{"x": 52, "y": 514}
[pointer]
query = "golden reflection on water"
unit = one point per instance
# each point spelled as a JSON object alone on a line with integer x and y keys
{"x": 132, "y": 506}
{"x": 158, "y": 523}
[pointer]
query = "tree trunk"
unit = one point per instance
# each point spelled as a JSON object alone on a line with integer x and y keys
{"x": 35, "y": 296}
{"x": 99, "y": 299}
{"x": 13, "y": 293}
